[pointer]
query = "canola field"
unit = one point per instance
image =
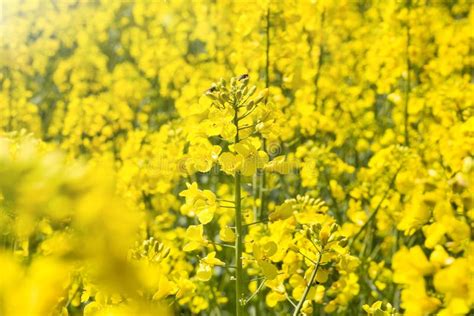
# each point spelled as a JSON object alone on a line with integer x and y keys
{"x": 218, "y": 157}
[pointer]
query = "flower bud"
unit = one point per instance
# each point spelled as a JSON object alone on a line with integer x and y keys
{"x": 316, "y": 228}
{"x": 250, "y": 105}
{"x": 224, "y": 96}
{"x": 324, "y": 234}
{"x": 262, "y": 95}
{"x": 252, "y": 90}
{"x": 343, "y": 242}
{"x": 211, "y": 96}
{"x": 307, "y": 307}
{"x": 166, "y": 252}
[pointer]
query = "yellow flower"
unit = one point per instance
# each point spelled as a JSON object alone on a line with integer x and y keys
{"x": 273, "y": 298}
{"x": 262, "y": 254}
{"x": 229, "y": 163}
{"x": 376, "y": 309}
{"x": 219, "y": 122}
{"x": 282, "y": 211}
{"x": 165, "y": 288}
{"x": 202, "y": 155}
{"x": 336, "y": 190}
{"x": 227, "y": 234}
{"x": 415, "y": 300}
{"x": 204, "y": 272}
{"x": 199, "y": 202}
{"x": 250, "y": 158}
{"x": 455, "y": 283}
{"x": 434, "y": 233}
{"x": 440, "y": 258}
{"x": 194, "y": 236}
{"x": 280, "y": 165}
{"x": 410, "y": 265}
{"x": 211, "y": 260}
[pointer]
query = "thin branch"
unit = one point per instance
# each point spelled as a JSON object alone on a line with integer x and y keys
{"x": 372, "y": 216}
{"x": 299, "y": 251}
{"x": 290, "y": 300}
{"x": 308, "y": 286}
{"x": 315, "y": 246}
{"x": 246, "y": 126}
{"x": 256, "y": 292}
{"x": 257, "y": 222}
{"x": 220, "y": 244}
{"x": 228, "y": 201}
{"x": 247, "y": 114}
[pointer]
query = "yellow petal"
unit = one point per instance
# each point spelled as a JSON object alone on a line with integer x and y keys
{"x": 269, "y": 270}
{"x": 205, "y": 216}
{"x": 227, "y": 234}
{"x": 270, "y": 248}
{"x": 194, "y": 232}
{"x": 204, "y": 272}
{"x": 211, "y": 260}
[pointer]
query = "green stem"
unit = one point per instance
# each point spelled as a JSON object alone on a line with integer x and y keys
{"x": 263, "y": 181}
{"x": 374, "y": 213}
{"x": 408, "y": 81}
{"x": 320, "y": 61}
{"x": 267, "y": 50}
{"x": 239, "y": 287}
{"x": 308, "y": 287}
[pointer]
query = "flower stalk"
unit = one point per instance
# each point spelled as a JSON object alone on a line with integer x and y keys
{"x": 239, "y": 275}
{"x": 308, "y": 286}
